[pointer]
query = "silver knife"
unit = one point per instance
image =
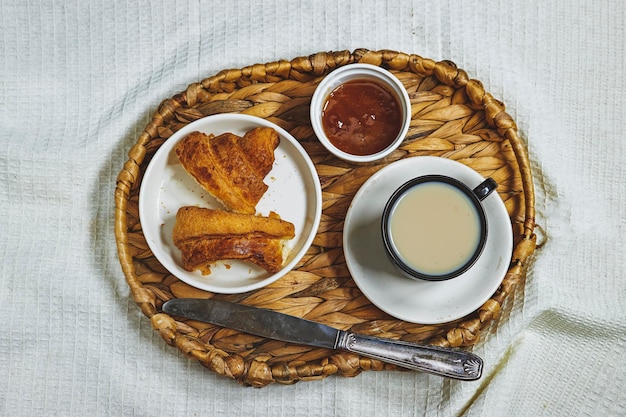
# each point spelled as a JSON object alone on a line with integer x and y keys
{"x": 448, "y": 362}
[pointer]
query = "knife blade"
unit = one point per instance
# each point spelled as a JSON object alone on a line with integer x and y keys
{"x": 447, "y": 362}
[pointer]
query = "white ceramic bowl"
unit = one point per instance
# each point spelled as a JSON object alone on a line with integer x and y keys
{"x": 352, "y": 72}
{"x": 294, "y": 193}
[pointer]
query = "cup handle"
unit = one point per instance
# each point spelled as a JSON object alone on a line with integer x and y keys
{"x": 485, "y": 188}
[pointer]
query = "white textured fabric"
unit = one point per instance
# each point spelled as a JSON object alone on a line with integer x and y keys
{"x": 78, "y": 83}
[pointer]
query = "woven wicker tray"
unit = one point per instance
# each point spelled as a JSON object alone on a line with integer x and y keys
{"x": 453, "y": 117}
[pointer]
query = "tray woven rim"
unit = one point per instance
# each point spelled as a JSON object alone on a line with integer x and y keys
{"x": 183, "y": 107}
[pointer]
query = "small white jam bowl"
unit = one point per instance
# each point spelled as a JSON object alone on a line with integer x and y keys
{"x": 359, "y": 72}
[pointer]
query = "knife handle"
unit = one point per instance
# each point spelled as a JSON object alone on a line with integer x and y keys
{"x": 452, "y": 363}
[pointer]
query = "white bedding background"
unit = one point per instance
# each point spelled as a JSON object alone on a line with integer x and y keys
{"x": 79, "y": 81}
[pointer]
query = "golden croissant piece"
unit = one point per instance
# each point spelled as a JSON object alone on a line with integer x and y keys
{"x": 230, "y": 167}
{"x": 207, "y": 235}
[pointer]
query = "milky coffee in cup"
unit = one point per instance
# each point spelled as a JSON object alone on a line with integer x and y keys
{"x": 434, "y": 226}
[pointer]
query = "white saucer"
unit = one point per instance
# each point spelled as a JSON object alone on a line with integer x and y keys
{"x": 294, "y": 193}
{"x": 420, "y": 301}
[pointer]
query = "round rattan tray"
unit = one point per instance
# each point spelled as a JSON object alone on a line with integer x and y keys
{"x": 453, "y": 117}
